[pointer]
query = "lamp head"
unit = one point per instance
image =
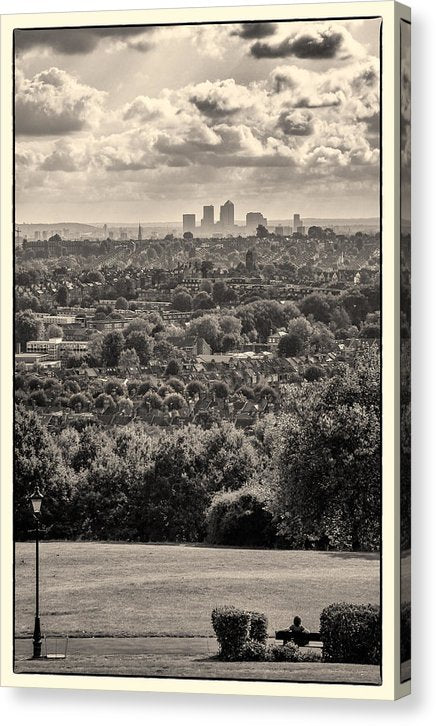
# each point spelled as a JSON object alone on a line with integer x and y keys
{"x": 36, "y": 499}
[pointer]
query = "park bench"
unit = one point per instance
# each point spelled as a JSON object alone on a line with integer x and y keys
{"x": 300, "y": 639}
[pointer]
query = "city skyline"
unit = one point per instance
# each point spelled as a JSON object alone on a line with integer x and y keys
{"x": 132, "y": 122}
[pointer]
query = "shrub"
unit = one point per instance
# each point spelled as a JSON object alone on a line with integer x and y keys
{"x": 351, "y": 633}
{"x": 405, "y": 636}
{"x": 253, "y": 650}
{"x": 231, "y": 628}
{"x": 281, "y": 653}
{"x": 240, "y": 518}
{"x": 258, "y": 627}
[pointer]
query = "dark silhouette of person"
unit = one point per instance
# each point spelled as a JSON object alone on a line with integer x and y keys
{"x": 297, "y": 626}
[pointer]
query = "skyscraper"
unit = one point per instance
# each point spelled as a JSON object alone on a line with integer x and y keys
{"x": 297, "y": 222}
{"x": 189, "y": 223}
{"x": 252, "y": 221}
{"x": 227, "y": 214}
{"x": 208, "y": 216}
{"x": 139, "y": 232}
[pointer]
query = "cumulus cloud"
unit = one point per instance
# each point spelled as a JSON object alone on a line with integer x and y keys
{"x": 222, "y": 98}
{"x": 297, "y": 118}
{"x": 354, "y": 89}
{"x": 54, "y": 102}
{"x": 307, "y": 124}
{"x": 80, "y": 41}
{"x": 295, "y": 123}
{"x": 314, "y": 42}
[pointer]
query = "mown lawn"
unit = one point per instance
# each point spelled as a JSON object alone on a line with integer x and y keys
{"x": 132, "y": 589}
{"x": 177, "y": 666}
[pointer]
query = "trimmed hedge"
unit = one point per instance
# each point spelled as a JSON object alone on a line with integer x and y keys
{"x": 231, "y": 628}
{"x": 258, "y": 627}
{"x": 235, "y": 629}
{"x": 351, "y": 633}
{"x": 405, "y": 634}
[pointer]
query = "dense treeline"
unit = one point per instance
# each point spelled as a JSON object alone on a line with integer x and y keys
{"x": 309, "y": 474}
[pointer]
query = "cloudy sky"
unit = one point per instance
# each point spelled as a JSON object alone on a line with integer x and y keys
{"x": 125, "y": 123}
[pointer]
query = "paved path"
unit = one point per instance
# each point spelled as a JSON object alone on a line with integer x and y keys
{"x": 123, "y": 646}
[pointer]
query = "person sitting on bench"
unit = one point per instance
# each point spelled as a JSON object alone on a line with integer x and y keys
{"x": 297, "y": 626}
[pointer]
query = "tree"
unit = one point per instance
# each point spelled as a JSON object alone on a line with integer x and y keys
{"x": 203, "y": 301}
{"x": 176, "y": 384}
{"x": 222, "y": 293}
{"x": 142, "y": 344}
{"x": 129, "y": 359}
{"x": 228, "y": 342}
{"x": 152, "y": 400}
{"x": 39, "y": 464}
{"x": 322, "y": 340}
{"x": 103, "y": 401}
{"x": 290, "y": 345}
{"x": 74, "y": 360}
{"x": 114, "y": 388}
{"x": 240, "y": 518}
{"x": 194, "y": 388}
{"x": 313, "y": 373}
{"x": 54, "y": 331}
{"x": 173, "y": 368}
{"x": 79, "y": 402}
{"x": 174, "y": 402}
{"x": 301, "y": 327}
{"x": 38, "y": 398}
{"x": 121, "y": 304}
{"x": 356, "y": 305}
{"x": 316, "y": 305}
{"x": 27, "y": 327}
{"x": 188, "y": 235}
{"x": 262, "y": 231}
{"x": 220, "y": 389}
{"x": 328, "y": 461}
{"x": 182, "y": 301}
{"x": 206, "y": 286}
{"x": 315, "y": 232}
{"x": 113, "y": 344}
{"x": 208, "y": 328}
{"x": 62, "y": 296}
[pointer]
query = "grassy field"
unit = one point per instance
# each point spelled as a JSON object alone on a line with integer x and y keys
{"x": 174, "y": 666}
{"x": 95, "y": 589}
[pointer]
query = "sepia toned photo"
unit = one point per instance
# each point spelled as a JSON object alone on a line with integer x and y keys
{"x": 197, "y": 485}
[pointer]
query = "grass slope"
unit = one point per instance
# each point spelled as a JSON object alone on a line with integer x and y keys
{"x": 131, "y": 590}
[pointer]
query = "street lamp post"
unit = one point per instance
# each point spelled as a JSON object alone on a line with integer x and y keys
{"x": 36, "y": 499}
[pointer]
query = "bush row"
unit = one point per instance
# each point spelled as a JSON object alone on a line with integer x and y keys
{"x": 350, "y": 634}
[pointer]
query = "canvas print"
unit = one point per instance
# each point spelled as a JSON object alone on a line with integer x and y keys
{"x": 197, "y": 426}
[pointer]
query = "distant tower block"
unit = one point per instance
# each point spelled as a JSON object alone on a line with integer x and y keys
{"x": 253, "y": 220}
{"x": 189, "y": 223}
{"x": 227, "y": 214}
{"x": 208, "y": 216}
{"x": 139, "y": 232}
{"x": 297, "y": 222}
